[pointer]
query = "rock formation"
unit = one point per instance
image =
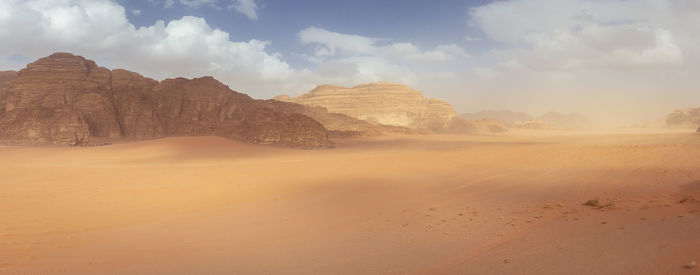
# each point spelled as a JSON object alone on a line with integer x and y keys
{"x": 504, "y": 116}
{"x": 337, "y": 125}
{"x": 381, "y": 103}
{"x": 685, "y": 118}
{"x": 69, "y": 100}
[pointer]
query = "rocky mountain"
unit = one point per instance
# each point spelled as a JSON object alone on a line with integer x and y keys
{"x": 66, "y": 99}
{"x": 504, "y": 116}
{"x": 381, "y": 103}
{"x": 684, "y": 118}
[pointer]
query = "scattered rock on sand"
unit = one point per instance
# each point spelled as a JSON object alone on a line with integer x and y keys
{"x": 687, "y": 199}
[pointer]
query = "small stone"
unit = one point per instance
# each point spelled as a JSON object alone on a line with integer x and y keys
{"x": 507, "y": 261}
{"x": 691, "y": 265}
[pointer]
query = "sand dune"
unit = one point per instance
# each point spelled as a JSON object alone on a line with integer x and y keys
{"x": 428, "y": 204}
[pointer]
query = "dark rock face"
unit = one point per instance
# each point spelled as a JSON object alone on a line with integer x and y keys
{"x": 5, "y": 78}
{"x": 67, "y": 100}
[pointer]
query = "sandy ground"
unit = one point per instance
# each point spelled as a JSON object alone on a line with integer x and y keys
{"x": 507, "y": 204}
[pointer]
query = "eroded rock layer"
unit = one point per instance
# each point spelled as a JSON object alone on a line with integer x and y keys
{"x": 381, "y": 103}
{"x": 66, "y": 99}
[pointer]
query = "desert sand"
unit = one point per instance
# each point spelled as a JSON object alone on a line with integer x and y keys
{"x": 421, "y": 204}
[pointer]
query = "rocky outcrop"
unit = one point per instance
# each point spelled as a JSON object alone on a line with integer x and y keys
{"x": 69, "y": 100}
{"x": 381, "y": 103}
{"x": 684, "y": 118}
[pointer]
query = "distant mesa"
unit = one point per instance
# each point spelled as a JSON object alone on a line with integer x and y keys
{"x": 381, "y": 103}
{"x": 547, "y": 121}
{"x": 64, "y": 99}
{"x": 390, "y": 104}
{"x": 684, "y": 118}
{"x": 504, "y": 116}
{"x": 571, "y": 121}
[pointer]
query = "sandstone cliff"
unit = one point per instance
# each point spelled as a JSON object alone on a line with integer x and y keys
{"x": 67, "y": 99}
{"x": 381, "y": 103}
{"x": 5, "y": 78}
{"x": 685, "y": 118}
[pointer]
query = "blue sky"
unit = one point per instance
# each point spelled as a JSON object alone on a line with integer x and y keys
{"x": 617, "y": 62}
{"x": 419, "y": 21}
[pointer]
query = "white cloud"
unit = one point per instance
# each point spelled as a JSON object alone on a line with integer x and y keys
{"x": 332, "y": 41}
{"x": 136, "y": 12}
{"x": 191, "y": 3}
{"x": 99, "y": 29}
{"x": 249, "y": 8}
{"x": 618, "y": 57}
{"x": 586, "y": 34}
{"x": 338, "y": 44}
{"x": 368, "y": 59}
{"x": 246, "y": 7}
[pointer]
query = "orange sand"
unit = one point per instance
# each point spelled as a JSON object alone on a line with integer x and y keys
{"x": 390, "y": 205}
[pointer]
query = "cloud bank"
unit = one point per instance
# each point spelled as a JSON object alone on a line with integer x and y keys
{"x": 626, "y": 59}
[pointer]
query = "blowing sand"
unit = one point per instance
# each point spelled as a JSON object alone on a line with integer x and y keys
{"x": 390, "y": 205}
